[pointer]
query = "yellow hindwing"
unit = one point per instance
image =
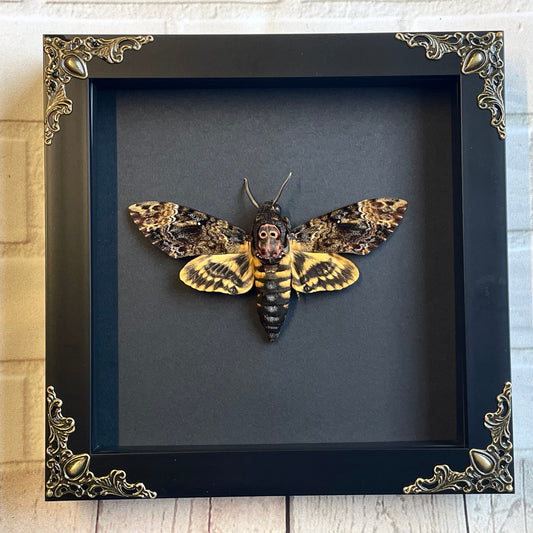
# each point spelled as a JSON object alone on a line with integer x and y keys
{"x": 226, "y": 273}
{"x": 314, "y": 272}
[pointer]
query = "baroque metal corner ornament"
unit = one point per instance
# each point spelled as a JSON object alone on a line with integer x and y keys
{"x": 67, "y": 60}
{"x": 489, "y": 468}
{"x": 69, "y": 472}
{"x": 479, "y": 54}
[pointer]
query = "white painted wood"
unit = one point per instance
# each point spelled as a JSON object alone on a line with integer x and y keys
{"x": 519, "y": 257}
{"x": 527, "y": 488}
{"x": 523, "y": 405}
{"x": 383, "y": 514}
{"x": 518, "y": 162}
{"x": 197, "y": 515}
{"x": 24, "y": 510}
{"x": 154, "y": 516}
{"x": 247, "y": 515}
{"x": 191, "y": 515}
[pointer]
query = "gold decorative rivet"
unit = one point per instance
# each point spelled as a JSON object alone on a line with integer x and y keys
{"x": 75, "y": 66}
{"x": 76, "y": 466}
{"x": 475, "y": 60}
{"x": 482, "y": 461}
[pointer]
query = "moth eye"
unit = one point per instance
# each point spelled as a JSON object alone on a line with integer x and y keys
{"x": 262, "y": 234}
{"x": 273, "y": 234}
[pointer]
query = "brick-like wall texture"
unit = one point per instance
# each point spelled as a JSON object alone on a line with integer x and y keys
{"x": 22, "y": 24}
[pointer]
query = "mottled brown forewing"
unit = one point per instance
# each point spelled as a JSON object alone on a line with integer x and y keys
{"x": 354, "y": 229}
{"x": 183, "y": 232}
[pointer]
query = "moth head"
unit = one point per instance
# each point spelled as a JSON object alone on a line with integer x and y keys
{"x": 270, "y": 230}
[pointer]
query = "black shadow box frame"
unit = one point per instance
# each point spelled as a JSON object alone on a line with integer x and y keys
{"x": 405, "y": 374}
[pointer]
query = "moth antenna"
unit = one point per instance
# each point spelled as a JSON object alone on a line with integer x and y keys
{"x": 247, "y": 189}
{"x": 282, "y": 187}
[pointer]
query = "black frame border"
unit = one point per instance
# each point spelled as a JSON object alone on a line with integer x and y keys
{"x": 480, "y": 216}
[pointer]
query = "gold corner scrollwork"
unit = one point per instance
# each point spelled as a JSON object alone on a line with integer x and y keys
{"x": 67, "y": 60}
{"x": 478, "y": 53}
{"x": 69, "y": 472}
{"x": 488, "y": 469}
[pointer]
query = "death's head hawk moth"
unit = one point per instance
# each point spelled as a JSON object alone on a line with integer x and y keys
{"x": 272, "y": 257}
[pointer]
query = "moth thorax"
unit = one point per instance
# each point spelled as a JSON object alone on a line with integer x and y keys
{"x": 270, "y": 234}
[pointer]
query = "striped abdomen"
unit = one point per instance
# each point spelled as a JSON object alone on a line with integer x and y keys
{"x": 273, "y": 285}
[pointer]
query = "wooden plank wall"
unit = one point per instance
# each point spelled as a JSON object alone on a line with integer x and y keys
{"x": 22, "y": 508}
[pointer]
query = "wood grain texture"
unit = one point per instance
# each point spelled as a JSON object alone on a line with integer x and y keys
{"x": 383, "y": 514}
{"x": 247, "y": 515}
{"x": 197, "y": 515}
{"x": 24, "y": 510}
{"x": 156, "y": 516}
{"x": 191, "y": 515}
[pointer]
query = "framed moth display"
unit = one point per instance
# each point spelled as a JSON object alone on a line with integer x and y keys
{"x": 396, "y": 383}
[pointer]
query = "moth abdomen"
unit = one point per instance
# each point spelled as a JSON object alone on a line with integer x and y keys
{"x": 273, "y": 285}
